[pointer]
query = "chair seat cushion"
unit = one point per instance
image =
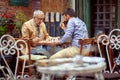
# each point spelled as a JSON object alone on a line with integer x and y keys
{"x": 33, "y": 57}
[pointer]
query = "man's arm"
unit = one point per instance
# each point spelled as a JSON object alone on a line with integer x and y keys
{"x": 68, "y": 32}
{"x": 25, "y": 31}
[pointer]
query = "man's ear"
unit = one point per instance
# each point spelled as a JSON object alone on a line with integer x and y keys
{"x": 68, "y": 16}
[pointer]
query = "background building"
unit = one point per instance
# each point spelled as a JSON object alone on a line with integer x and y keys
{"x": 100, "y": 16}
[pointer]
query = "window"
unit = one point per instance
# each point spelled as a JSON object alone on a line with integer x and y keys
{"x": 103, "y": 18}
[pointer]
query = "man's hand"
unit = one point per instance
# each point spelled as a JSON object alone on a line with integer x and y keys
{"x": 62, "y": 25}
{"x": 36, "y": 40}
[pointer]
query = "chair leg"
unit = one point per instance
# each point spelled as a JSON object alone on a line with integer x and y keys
{"x": 27, "y": 70}
{"x": 19, "y": 68}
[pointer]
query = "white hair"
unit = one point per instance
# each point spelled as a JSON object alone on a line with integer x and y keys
{"x": 37, "y": 12}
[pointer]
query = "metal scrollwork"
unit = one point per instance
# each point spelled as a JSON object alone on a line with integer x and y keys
{"x": 10, "y": 46}
{"x": 103, "y": 39}
{"x": 114, "y": 39}
{"x": 111, "y": 41}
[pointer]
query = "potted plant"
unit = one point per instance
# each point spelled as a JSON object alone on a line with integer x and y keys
{"x": 6, "y": 24}
{"x": 20, "y": 18}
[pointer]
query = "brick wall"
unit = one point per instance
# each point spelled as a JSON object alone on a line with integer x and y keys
{"x": 45, "y": 5}
{"x": 12, "y": 9}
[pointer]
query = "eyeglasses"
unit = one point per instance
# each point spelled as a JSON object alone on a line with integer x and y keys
{"x": 40, "y": 18}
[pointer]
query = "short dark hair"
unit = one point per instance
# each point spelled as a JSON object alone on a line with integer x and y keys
{"x": 69, "y": 11}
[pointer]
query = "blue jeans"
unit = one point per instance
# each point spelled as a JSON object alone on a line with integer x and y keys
{"x": 45, "y": 50}
{"x": 52, "y": 50}
{"x": 39, "y": 50}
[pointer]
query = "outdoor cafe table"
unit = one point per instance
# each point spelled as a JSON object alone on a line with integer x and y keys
{"x": 71, "y": 66}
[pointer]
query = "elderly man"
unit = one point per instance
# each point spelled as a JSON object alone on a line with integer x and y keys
{"x": 35, "y": 30}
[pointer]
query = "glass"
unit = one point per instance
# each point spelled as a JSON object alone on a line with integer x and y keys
{"x": 40, "y": 18}
{"x": 100, "y": 8}
{"x": 101, "y": 1}
{"x": 107, "y": 15}
{"x": 100, "y": 16}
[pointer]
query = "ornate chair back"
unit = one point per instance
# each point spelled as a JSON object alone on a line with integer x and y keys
{"x": 111, "y": 44}
{"x": 9, "y": 46}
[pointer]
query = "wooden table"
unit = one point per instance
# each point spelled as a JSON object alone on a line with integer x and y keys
{"x": 71, "y": 67}
{"x": 54, "y": 44}
{"x": 48, "y": 43}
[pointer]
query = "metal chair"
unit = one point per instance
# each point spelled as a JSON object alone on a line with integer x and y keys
{"x": 112, "y": 50}
{"x": 10, "y": 46}
{"x": 28, "y": 59}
